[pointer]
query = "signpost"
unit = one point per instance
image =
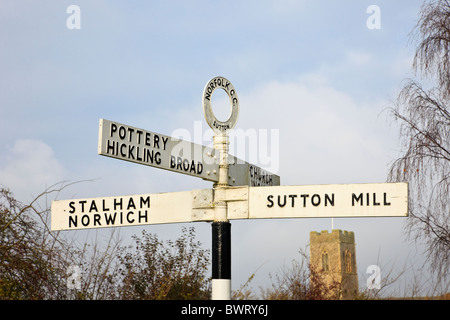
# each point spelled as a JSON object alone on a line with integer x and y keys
{"x": 144, "y": 147}
{"x": 340, "y": 200}
{"x": 172, "y": 207}
{"x": 128, "y": 143}
{"x": 240, "y": 191}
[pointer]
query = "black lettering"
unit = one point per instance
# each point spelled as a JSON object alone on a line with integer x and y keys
{"x": 130, "y": 130}
{"x": 186, "y": 165}
{"x": 317, "y": 202}
{"x": 104, "y": 206}
{"x": 128, "y": 217}
{"x": 97, "y": 219}
{"x": 199, "y": 168}
{"x": 145, "y": 201}
{"x": 72, "y": 206}
{"x": 137, "y": 154}
{"x": 158, "y": 157}
{"x": 284, "y": 203}
{"x": 143, "y": 216}
{"x": 82, "y": 202}
{"x": 148, "y": 156}
{"x": 375, "y": 203}
{"x": 179, "y": 163}
{"x": 164, "y": 141}
{"x": 113, "y": 129}
{"x": 192, "y": 167}
{"x": 269, "y": 198}
{"x": 131, "y": 204}
{"x": 123, "y": 153}
{"x": 93, "y": 207}
{"x": 147, "y": 139}
{"x": 139, "y": 132}
{"x": 304, "y": 196}
{"x": 329, "y": 200}
{"x": 122, "y": 133}
{"x": 73, "y": 220}
{"x": 118, "y": 203}
{"x": 156, "y": 141}
{"x": 385, "y": 200}
{"x": 110, "y": 219}
{"x": 130, "y": 152}
{"x": 357, "y": 199}
{"x": 292, "y": 196}
{"x": 110, "y": 147}
{"x": 85, "y": 220}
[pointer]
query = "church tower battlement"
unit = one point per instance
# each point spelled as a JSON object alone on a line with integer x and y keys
{"x": 335, "y": 235}
{"x": 334, "y": 255}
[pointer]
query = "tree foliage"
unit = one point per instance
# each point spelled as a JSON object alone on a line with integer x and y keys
{"x": 424, "y": 117}
{"x": 302, "y": 281}
{"x": 175, "y": 270}
{"x": 36, "y": 263}
{"x": 32, "y": 261}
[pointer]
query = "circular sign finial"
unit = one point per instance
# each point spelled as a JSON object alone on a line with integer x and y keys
{"x": 214, "y": 123}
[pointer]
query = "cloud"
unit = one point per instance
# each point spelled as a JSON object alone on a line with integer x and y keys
{"x": 29, "y": 167}
{"x": 357, "y": 58}
{"x": 324, "y": 134}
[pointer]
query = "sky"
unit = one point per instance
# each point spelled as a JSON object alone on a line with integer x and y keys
{"x": 315, "y": 80}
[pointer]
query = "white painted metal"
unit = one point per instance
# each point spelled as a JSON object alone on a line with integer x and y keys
{"x": 237, "y": 202}
{"x": 176, "y": 155}
{"x": 128, "y": 143}
{"x": 242, "y": 173}
{"x": 239, "y": 172}
{"x": 217, "y": 125}
{"x": 220, "y": 205}
{"x": 221, "y": 289}
{"x": 173, "y": 207}
{"x": 320, "y": 201}
{"x": 229, "y": 203}
{"x": 221, "y": 144}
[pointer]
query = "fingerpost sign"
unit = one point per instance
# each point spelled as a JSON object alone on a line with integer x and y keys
{"x": 240, "y": 190}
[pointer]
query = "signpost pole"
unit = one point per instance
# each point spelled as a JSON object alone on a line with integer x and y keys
{"x": 221, "y": 227}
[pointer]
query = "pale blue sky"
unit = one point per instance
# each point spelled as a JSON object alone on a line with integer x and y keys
{"x": 310, "y": 69}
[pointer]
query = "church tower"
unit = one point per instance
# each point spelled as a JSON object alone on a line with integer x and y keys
{"x": 334, "y": 255}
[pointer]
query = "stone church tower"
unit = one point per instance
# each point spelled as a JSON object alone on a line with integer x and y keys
{"x": 334, "y": 255}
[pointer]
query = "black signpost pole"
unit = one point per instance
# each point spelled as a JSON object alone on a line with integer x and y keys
{"x": 221, "y": 250}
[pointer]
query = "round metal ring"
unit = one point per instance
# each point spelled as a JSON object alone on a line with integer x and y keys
{"x": 213, "y": 122}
